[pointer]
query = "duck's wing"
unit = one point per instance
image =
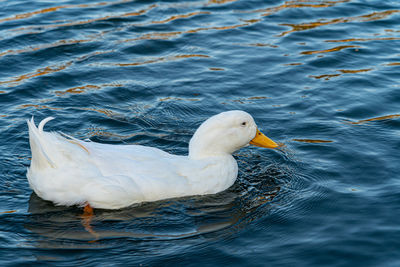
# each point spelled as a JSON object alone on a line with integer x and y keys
{"x": 155, "y": 174}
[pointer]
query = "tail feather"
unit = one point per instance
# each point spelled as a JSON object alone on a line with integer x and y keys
{"x": 40, "y": 158}
{"x": 43, "y": 122}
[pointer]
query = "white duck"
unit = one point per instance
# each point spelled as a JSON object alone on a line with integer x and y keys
{"x": 68, "y": 171}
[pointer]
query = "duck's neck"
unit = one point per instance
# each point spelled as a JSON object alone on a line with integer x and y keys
{"x": 201, "y": 147}
{"x": 205, "y": 153}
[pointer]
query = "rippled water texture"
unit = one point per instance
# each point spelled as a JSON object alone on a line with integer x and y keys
{"x": 322, "y": 77}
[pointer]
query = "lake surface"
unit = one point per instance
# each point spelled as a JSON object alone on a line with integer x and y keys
{"x": 321, "y": 77}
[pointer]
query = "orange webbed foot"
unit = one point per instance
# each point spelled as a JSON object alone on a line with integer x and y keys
{"x": 87, "y": 216}
{"x": 88, "y": 210}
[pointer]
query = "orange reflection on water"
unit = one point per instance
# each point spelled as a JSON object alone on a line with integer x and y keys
{"x": 299, "y": 4}
{"x": 387, "y": 117}
{"x": 8, "y": 211}
{"x": 56, "y": 8}
{"x": 38, "y": 106}
{"x": 251, "y": 20}
{"x": 256, "y": 97}
{"x": 156, "y": 60}
{"x": 39, "y": 72}
{"x": 106, "y": 112}
{"x": 82, "y": 22}
{"x": 393, "y": 64}
{"x": 363, "y": 18}
{"x": 363, "y": 39}
{"x": 324, "y": 76}
{"x": 154, "y": 36}
{"x": 219, "y": 28}
{"x": 220, "y": 1}
{"x": 246, "y": 100}
{"x": 293, "y": 64}
{"x": 312, "y": 141}
{"x": 263, "y": 44}
{"x": 44, "y": 46}
{"x": 84, "y": 88}
{"x": 168, "y": 35}
{"x": 49, "y": 69}
{"x": 30, "y": 14}
{"x": 180, "y": 17}
{"x": 354, "y": 71}
{"x": 328, "y": 76}
{"x": 77, "y": 89}
{"x": 337, "y": 48}
{"x": 191, "y": 55}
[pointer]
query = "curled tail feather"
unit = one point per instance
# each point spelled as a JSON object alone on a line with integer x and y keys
{"x": 40, "y": 159}
{"x": 42, "y": 123}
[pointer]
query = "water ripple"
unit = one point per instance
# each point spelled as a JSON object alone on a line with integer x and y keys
{"x": 320, "y": 77}
{"x": 363, "y": 18}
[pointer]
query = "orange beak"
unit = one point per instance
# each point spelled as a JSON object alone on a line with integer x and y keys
{"x": 261, "y": 140}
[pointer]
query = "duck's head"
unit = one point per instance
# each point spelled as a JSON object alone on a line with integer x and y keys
{"x": 225, "y": 133}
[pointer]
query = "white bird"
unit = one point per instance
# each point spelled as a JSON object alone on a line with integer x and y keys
{"x": 68, "y": 171}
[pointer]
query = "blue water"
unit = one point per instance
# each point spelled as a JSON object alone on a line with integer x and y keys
{"x": 321, "y": 77}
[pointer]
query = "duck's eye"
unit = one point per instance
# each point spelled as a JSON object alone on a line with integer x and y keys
{"x": 244, "y": 123}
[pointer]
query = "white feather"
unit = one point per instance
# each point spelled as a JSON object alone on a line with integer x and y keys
{"x": 69, "y": 171}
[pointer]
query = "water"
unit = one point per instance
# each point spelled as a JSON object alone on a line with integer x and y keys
{"x": 322, "y": 77}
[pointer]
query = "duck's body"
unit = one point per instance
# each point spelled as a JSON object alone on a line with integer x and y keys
{"x": 73, "y": 172}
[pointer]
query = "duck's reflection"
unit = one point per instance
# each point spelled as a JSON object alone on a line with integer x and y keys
{"x": 59, "y": 226}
